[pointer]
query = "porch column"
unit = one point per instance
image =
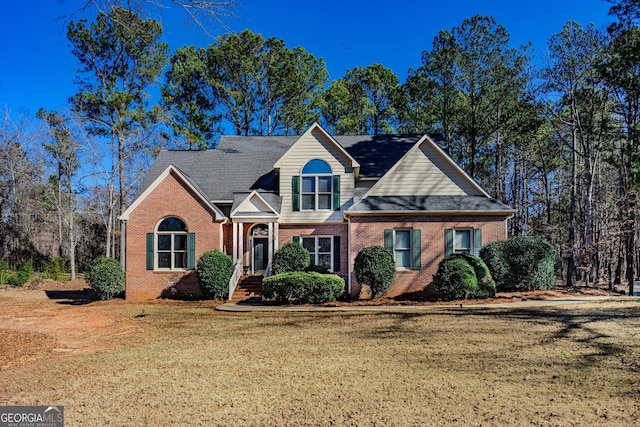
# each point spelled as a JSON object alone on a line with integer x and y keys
{"x": 270, "y": 245}
{"x": 276, "y": 235}
{"x": 235, "y": 241}
{"x": 241, "y": 242}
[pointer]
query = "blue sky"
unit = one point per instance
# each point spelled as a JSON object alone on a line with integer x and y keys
{"x": 37, "y": 67}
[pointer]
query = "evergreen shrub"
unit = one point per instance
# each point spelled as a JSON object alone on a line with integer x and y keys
{"x": 521, "y": 263}
{"x": 215, "y": 269}
{"x": 289, "y": 258}
{"x": 374, "y": 266}
{"x": 303, "y": 287}
{"x": 105, "y": 276}
{"x": 456, "y": 279}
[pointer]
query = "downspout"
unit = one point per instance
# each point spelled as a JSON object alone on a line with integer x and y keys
{"x": 123, "y": 243}
{"x": 348, "y": 255}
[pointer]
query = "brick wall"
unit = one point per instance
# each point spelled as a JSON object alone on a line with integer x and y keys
{"x": 287, "y": 232}
{"x": 170, "y": 198}
{"x": 369, "y": 231}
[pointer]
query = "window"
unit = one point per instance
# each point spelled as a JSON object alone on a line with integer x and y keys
{"x": 316, "y": 186}
{"x": 463, "y": 240}
{"x": 316, "y": 189}
{"x": 320, "y": 250}
{"x": 405, "y": 245}
{"x": 171, "y": 247}
{"x": 402, "y": 249}
{"x": 323, "y": 250}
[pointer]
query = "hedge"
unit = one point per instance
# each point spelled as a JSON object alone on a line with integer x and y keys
{"x": 303, "y": 287}
{"x": 521, "y": 263}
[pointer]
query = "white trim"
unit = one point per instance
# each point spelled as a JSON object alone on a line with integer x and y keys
{"x": 354, "y": 164}
{"x": 439, "y": 150}
{"x": 248, "y": 198}
{"x": 316, "y": 237}
{"x": 219, "y": 216}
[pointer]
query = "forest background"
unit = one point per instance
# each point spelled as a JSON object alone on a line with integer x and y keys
{"x": 558, "y": 142}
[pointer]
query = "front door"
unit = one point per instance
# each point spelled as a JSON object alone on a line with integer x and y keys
{"x": 260, "y": 254}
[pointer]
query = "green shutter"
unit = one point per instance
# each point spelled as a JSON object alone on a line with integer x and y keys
{"x": 336, "y": 192}
{"x": 477, "y": 241}
{"x": 388, "y": 239}
{"x": 448, "y": 241}
{"x": 296, "y": 239}
{"x": 149, "y": 251}
{"x": 295, "y": 192}
{"x": 336, "y": 253}
{"x": 191, "y": 263}
{"x": 417, "y": 250}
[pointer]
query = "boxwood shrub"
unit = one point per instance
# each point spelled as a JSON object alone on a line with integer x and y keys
{"x": 374, "y": 266}
{"x": 105, "y": 276}
{"x": 289, "y": 258}
{"x": 215, "y": 269}
{"x": 521, "y": 263}
{"x": 486, "y": 284}
{"x": 456, "y": 278}
{"x": 303, "y": 287}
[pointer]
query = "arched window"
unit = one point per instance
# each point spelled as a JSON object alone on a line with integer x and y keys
{"x": 171, "y": 244}
{"x": 316, "y": 185}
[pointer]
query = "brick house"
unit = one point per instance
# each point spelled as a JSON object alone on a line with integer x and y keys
{"x": 333, "y": 194}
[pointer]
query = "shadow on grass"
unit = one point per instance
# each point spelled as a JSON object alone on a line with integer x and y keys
{"x": 82, "y": 297}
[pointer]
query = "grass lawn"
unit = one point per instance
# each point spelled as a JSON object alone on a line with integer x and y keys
{"x": 186, "y": 364}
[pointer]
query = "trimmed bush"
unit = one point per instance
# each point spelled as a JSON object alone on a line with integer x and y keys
{"x": 315, "y": 268}
{"x": 289, "y": 258}
{"x": 521, "y": 263}
{"x": 374, "y": 266}
{"x": 106, "y": 277}
{"x": 486, "y": 284}
{"x": 456, "y": 279}
{"x": 22, "y": 275}
{"x": 215, "y": 269}
{"x": 493, "y": 255}
{"x": 303, "y": 288}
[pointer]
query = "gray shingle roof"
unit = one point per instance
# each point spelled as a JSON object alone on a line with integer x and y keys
{"x": 378, "y": 153}
{"x": 429, "y": 204}
{"x": 241, "y": 164}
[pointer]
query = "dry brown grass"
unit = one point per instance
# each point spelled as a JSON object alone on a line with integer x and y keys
{"x": 186, "y": 364}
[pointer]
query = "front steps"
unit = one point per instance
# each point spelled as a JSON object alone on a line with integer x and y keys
{"x": 249, "y": 289}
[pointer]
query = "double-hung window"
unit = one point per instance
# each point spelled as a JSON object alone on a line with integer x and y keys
{"x": 462, "y": 240}
{"x": 405, "y": 245}
{"x": 320, "y": 250}
{"x": 323, "y": 250}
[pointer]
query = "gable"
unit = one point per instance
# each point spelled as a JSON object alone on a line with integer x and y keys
{"x": 252, "y": 205}
{"x": 426, "y": 171}
{"x": 173, "y": 174}
{"x": 315, "y": 144}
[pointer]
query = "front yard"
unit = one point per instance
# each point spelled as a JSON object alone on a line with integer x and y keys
{"x": 183, "y": 363}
